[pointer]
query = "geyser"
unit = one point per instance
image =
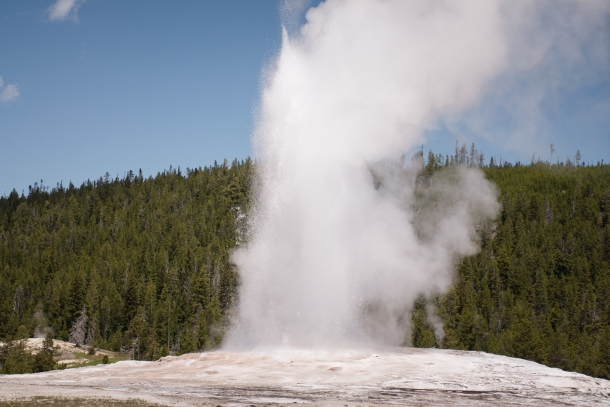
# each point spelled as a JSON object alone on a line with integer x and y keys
{"x": 337, "y": 252}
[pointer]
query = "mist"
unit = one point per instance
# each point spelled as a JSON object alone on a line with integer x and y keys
{"x": 342, "y": 239}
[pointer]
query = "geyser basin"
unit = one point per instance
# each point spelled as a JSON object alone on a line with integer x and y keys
{"x": 332, "y": 377}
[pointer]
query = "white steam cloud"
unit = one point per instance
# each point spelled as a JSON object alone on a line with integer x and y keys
{"x": 555, "y": 48}
{"x": 342, "y": 241}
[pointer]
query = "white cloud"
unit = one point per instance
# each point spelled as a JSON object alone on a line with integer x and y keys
{"x": 64, "y": 9}
{"x": 9, "y": 92}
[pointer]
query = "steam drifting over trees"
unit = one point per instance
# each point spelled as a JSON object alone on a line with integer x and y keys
{"x": 154, "y": 252}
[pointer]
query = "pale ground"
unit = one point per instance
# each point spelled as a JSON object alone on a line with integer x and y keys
{"x": 403, "y": 376}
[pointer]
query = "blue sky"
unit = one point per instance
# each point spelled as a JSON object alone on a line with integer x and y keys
{"x": 129, "y": 85}
{"x": 112, "y": 85}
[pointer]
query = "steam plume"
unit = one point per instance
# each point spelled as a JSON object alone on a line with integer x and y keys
{"x": 340, "y": 246}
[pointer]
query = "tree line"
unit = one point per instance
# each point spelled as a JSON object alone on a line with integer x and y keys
{"x": 143, "y": 263}
{"x": 128, "y": 263}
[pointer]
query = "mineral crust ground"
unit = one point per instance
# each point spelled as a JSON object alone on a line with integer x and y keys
{"x": 404, "y": 376}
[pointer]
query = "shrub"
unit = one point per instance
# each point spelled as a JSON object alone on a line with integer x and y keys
{"x": 16, "y": 359}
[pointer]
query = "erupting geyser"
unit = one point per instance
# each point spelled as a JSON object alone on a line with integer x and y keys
{"x": 336, "y": 253}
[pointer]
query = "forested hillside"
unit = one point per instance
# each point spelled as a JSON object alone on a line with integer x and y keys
{"x": 540, "y": 287}
{"x": 124, "y": 263}
{"x": 143, "y": 264}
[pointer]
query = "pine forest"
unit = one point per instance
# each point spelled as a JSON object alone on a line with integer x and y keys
{"x": 143, "y": 264}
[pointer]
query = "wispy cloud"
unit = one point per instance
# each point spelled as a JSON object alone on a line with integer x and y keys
{"x": 9, "y": 92}
{"x": 64, "y": 9}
